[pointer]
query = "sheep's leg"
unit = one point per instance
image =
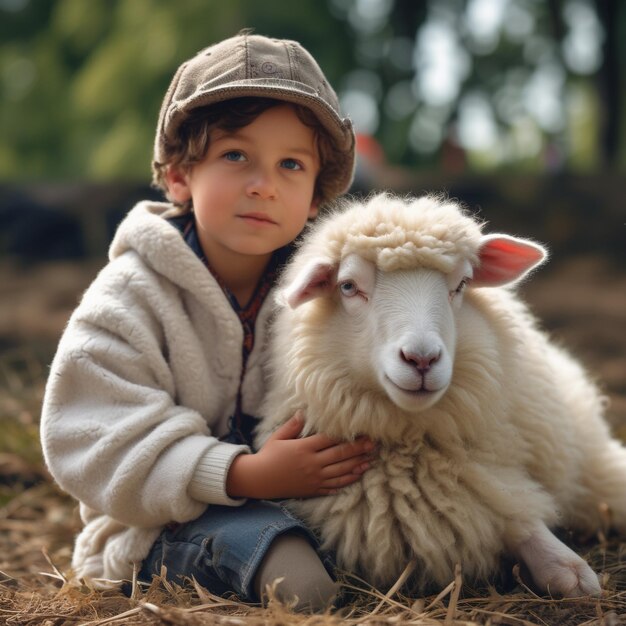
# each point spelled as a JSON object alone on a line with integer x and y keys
{"x": 605, "y": 475}
{"x": 554, "y": 567}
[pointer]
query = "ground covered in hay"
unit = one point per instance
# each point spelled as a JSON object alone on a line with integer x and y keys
{"x": 581, "y": 300}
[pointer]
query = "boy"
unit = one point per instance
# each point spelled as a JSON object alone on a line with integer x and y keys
{"x": 149, "y": 407}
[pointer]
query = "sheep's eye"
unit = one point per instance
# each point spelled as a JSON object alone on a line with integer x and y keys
{"x": 461, "y": 287}
{"x": 348, "y": 288}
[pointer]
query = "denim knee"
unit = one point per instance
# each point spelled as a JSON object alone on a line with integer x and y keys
{"x": 223, "y": 548}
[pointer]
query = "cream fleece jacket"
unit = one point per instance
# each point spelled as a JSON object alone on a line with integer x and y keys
{"x": 144, "y": 379}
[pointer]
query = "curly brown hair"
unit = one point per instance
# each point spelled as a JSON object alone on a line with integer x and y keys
{"x": 194, "y": 136}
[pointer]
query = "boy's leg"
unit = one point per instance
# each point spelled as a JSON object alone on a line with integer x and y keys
{"x": 305, "y": 582}
{"x": 225, "y": 547}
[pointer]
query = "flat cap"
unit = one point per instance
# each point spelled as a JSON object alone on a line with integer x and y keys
{"x": 253, "y": 65}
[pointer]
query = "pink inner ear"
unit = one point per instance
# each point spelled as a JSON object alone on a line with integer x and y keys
{"x": 506, "y": 259}
{"x": 313, "y": 282}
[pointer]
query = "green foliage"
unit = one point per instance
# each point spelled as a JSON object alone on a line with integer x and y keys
{"x": 20, "y": 438}
{"x": 81, "y": 82}
{"x": 21, "y": 392}
{"x": 22, "y": 378}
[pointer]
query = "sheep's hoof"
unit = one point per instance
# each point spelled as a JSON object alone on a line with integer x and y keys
{"x": 571, "y": 580}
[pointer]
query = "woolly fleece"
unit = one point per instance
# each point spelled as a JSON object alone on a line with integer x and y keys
{"x": 517, "y": 438}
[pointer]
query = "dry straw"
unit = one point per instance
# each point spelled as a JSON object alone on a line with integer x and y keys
{"x": 35, "y": 589}
{"x": 38, "y": 523}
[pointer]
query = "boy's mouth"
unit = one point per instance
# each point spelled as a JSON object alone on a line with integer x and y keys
{"x": 257, "y": 218}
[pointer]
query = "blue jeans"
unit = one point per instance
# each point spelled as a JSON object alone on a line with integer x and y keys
{"x": 223, "y": 548}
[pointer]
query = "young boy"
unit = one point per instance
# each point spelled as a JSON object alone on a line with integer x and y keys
{"x": 151, "y": 399}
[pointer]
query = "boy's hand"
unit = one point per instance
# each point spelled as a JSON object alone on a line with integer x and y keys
{"x": 288, "y": 467}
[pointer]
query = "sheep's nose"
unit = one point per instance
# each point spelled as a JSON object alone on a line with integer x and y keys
{"x": 421, "y": 361}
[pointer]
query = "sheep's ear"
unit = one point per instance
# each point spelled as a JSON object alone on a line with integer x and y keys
{"x": 316, "y": 279}
{"x": 504, "y": 259}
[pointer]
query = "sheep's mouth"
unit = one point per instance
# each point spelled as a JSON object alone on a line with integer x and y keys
{"x": 417, "y": 393}
{"x": 421, "y": 392}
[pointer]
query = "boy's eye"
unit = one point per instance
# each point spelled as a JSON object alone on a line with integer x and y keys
{"x": 234, "y": 155}
{"x": 291, "y": 164}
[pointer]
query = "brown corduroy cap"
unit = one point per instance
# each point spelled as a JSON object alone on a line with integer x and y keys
{"x": 253, "y": 65}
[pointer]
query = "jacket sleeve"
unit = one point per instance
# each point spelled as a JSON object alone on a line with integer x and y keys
{"x": 112, "y": 432}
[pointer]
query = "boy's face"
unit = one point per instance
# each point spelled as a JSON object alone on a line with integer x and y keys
{"x": 253, "y": 191}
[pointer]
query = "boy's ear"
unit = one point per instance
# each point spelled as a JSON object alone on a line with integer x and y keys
{"x": 177, "y": 184}
{"x": 313, "y": 209}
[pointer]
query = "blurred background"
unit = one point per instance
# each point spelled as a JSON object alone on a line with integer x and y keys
{"x": 515, "y": 107}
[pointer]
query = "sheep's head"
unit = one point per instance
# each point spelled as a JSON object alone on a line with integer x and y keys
{"x": 395, "y": 328}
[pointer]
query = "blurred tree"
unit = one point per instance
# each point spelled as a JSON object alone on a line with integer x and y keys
{"x": 527, "y": 84}
{"x": 612, "y": 86}
{"x": 81, "y": 82}
{"x": 442, "y": 83}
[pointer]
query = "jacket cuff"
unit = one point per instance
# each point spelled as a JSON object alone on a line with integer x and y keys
{"x": 208, "y": 483}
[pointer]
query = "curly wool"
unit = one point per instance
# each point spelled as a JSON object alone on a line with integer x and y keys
{"x": 468, "y": 477}
{"x": 426, "y": 494}
{"x": 394, "y": 234}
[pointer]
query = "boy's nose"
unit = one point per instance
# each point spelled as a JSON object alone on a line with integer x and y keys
{"x": 261, "y": 184}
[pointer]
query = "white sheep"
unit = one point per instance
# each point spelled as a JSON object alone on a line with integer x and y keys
{"x": 396, "y": 320}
